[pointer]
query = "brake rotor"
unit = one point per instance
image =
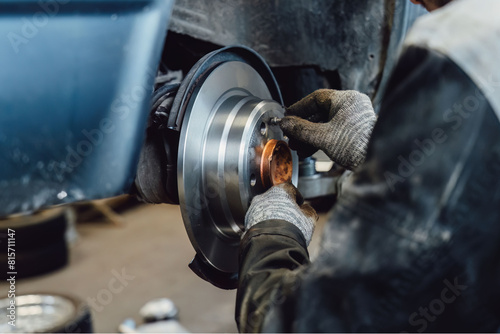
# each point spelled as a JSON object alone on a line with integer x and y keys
{"x": 229, "y": 152}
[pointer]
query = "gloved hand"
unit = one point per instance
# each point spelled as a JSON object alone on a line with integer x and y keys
{"x": 338, "y": 122}
{"x": 283, "y": 202}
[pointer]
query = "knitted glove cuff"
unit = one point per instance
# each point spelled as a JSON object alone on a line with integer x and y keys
{"x": 277, "y": 204}
{"x": 348, "y": 134}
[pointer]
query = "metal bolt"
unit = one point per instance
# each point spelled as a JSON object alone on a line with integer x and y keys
{"x": 275, "y": 121}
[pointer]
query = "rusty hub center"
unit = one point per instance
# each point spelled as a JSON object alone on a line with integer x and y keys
{"x": 276, "y": 165}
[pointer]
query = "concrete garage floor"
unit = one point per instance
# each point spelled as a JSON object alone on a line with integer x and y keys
{"x": 152, "y": 249}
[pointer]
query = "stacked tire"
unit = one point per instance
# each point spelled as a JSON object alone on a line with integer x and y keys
{"x": 40, "y": 244}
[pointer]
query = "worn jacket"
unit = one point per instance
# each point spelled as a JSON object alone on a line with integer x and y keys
{"x": 413, "y": 243}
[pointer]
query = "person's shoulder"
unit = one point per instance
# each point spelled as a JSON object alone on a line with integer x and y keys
{"x": 468, "y": 33}
{"x": 461, "y": 23}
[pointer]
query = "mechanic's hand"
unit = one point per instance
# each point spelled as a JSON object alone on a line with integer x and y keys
{"x": 338, "y": 122}
{"x": 283, "y": 202}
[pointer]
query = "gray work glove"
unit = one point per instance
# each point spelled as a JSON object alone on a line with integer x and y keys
{"x": 283, "y": 202}
{"x": 338, "y": 122}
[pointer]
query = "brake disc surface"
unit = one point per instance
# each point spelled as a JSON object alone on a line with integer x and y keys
{"x": 225, "y": 127}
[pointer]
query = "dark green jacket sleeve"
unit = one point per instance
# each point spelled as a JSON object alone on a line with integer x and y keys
{"x": 270, "y": 254}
